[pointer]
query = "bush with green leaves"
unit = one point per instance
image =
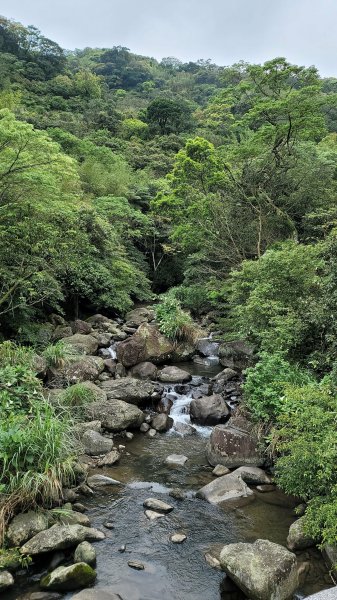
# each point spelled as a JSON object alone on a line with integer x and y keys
{"x": 305, "y": 439}
{"x": 75, "y": 398}
{"x": 173, "y": 321}
{"x": 194, "y": 297}
{"x": 19, "y": 386}
{"x": 265, "y": 384}
{"x": 58, "y": 355}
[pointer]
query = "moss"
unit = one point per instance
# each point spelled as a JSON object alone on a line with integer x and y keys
{"x": 69, "y": 578}
{"x": 10, "y": 559}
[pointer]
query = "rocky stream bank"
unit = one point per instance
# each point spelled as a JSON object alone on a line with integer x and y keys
{"x": 173, "y": 500}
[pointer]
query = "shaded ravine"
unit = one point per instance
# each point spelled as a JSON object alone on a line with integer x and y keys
{"x": 175, "y": 572}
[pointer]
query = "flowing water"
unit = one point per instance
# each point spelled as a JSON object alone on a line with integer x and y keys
{"x": 172, "y": 571}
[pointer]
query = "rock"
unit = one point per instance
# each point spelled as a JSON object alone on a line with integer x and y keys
{"x": 212, "y": 561}
{"x": 134, "y": 564}
{"x": 79, "y": 507}
{"x": 265, "y": 488}
{"x": 178, "y": 538}
{"x": 85, "y": 369}
{"x": 81, "y": 428}
{"x": 297, "y": 538}
{"x": 207, "y": 347}
{"x": 153, "y": 515}
{"x": 176, "y": 460}
{"x": 86, "y": 553}
{"x": 103, "y": 339}
{"x": 101, "y": 480}
{"x": 234, "y": 444}
{"x": 110, "y": 365}
{"x": 129, "y": 436}
{"x": 61, "y": 332}
{"x": 94, "y": 443}
{"x": 82, "y": 344}
{"x": 263, "y": 570}
{"x": 109, "y": 459}
{"x": 329, "y": 594}
{"x": 96, "y": 393}
{"x": 227, "y": 490}
{"x": 330, "y": 556}
{"x": 6, "y": 580}
{"x": 174, "y": 375}
{"x": 144, "y": 370}
{"x": 252, "y": 475}
{"x": 177, "y": 494}
{"x": 157, "y": 505}
{"x": 65, "y": 579}
{"x": 73, "y": 518}
{"x": 184, "y": 428}
{"x": 81, "y": 327}
{"x": 39, "y": 365}
{"x": 226, "y": 375}
{"x": 220, "y": 470}
{"x": 69, "y": 495}
{"x": 96, "y": 594}
{"x": 85, "y": 490}
{"x": 25, "y": 525}
{"x": 97, "y": 320}
{"x": 137, "y": 316}
{"x": 209, "y": 410}
{"x": 151, "y": 433}
{"x": 59, "y": 537}
{"x": 128, "y": 389}
{"x": 162, "y": 422}
{"x": 42, "y": 596}
{"x": 183, "y": 352}
{"x": 236, "y": 355}
{"x": 116, "y": 415}
{"x": 144, "y": 427}
{"x": 109, "y": 525}
{"x": 147, "y": 344}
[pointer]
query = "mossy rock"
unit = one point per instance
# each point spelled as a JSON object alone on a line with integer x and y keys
{"x": 65, "y": 579}
{"x": 10, "y": 559}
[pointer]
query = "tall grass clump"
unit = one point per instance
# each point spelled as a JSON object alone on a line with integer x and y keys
{"x": 58, "y": 355}
{"x": 176, "y": 324}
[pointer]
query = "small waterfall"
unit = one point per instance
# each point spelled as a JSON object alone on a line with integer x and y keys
{"x": 113, "y": 352}
{"x": 180, "y": 411}
{"x": 209, "y": 351}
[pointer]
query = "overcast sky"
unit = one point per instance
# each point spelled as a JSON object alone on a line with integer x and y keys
{"x": 224, "y": 30}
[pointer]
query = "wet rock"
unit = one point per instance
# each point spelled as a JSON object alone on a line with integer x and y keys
{"x": 147, "y": 344}
{"x": 69, "y": 495}
{"x": 96, "y": 594}
{"x": 157, "y": 505}
{"x": 25, "y": 525}
{"x": 116, "y": 415}
{"x": 85, "y": 553}
{"x": 162, "y": 422}
{"x": 177, "y": 494}
{"x": 252, "y": 475}
{"x": 207, "y": 347}
{"x": 109, "y": 459}
{"x": 81, "y": 327}
{"x": 109, "y": 525}
{"x": 165, "y": 404}
{"x": 98, "y": 319}
{"x": 184, "y": 428}
{"x": 103, "y": 339}
{"x": 110, "y": 365}
{"x": 144, "y": 370}
{"x": 297, "y": 538}
{"x": 227, "y": 490}
{"x": 129, "y": 436}
{"x": 134, "y": 564}
{"x": 95, "y": 481}
{"x": 60, "y": 537}
{"x": 209, "y": 410}
{"x": 41, "y": 596}
{"x": 137, "y": 316}
{"x": 151, "y": 433}
{"x": 263, "y": 570}
{"x": 220, "y": 470}
{"x": 176, "y": 460}
{"x": 212, "y": 561}
{"x": 122, "y": 549}
{"x": 73, "y": 518}
{"x": 79, "y": 507}
{"x": 152, "y": 515}
{"x": 226, "y": 375}
{"x": 81, "y": 428}
{"x": 234, "y": 444}
{"x": 6, "y": 580}
{"x": 174, "y": 375}
{"x": 144, "y": 427}
{"x": 70, "y": 578}
{"x": 94, "y": 443}
{"x": 82, "y": 344}
{"x": 236, "y": 355}
{"x": 178, "y": 538}
{"x": 85, "y": 490}
{"x": 265, "y": 488}
{"x": 128, "y": 389}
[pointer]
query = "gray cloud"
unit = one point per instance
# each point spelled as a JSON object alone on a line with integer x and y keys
{"x": 224, "y": 30}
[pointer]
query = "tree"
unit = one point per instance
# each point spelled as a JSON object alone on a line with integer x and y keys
{"x": 169, "y": 115}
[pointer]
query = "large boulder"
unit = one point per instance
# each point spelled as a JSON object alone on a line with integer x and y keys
{"x": 66, "y": 579}
{"x": 94, "y": 443}
{"x": 234, "y": 444}
{"x": 147, "y": 344}
{"x": 136, "y": 317}
{"x": 59, "y": 537}
{"x": 116, "y": 415}
{"x": 174, "y": 375}
{"x": 96, "y": 594}
{"x": 209, "y": 410}
{"x": 208, "y": 347}
{"x": 263, "y": 570}
{"x": 128, "y": 389}
{"x": 252, "y": 475}
{"x": 86, "y": 368}
{"x": 79, "y": 326}
{"x": 86, "y": 553}
{"x": 25, "y": 525}
{"x": 297, "y": 538}
{"x": 236, "y": 355}
{"x": 82, "y": 344}
{"x": 145, "y": 370}
{"x": 162, "y": 422}
{"x": 227, "y": 491}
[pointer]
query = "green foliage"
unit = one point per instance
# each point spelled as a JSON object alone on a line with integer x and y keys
{"x": 58, "y": 355}
{"x": 19, "y": 387}
{"x": 173, "y": 322}
{"x": 75, "y": 398}
{"x": 169, "y": 115}
{"x": 265, "y": 385}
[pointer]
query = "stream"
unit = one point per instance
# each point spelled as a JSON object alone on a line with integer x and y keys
{"x": 175, "y": 571}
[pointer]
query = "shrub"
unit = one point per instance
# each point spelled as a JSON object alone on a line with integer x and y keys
{"x": 193, "y": 297}
{"x": 75, "y": 398}
{"x": 266, "y": 382}
{"x": 173, "y": 321}
{"x": 19, "y": 386}
{"x": 57, "y": 355}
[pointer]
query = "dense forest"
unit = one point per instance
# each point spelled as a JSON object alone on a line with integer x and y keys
{"x": 124, "y": 179}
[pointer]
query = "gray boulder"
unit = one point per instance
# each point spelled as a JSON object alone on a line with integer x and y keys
{"x": 145, "y": 370}
{"x": 86, "y": 553}
{"x": 116, "y": 415}
{"x": 66, "y": 579}
{"x": 128, "y": 389}
{"x": 83, "y": 327}
{"x": 209, "y": 410}
{"x": 25, "y": 525}
{"x": 96, "y": 594}
{"x": 252, "y": 475}
{"x": 227, "y": 491}
{"x": 234, "y": 444}
{"x": 236, "y": 355}
{"x": 162, "y": 422}
{"x": 157, "y": 505}
{"x": 82, "y": 344}
{"x": 137, "y": 316}
{"x": 6, "y": 580}
{"x": 174, "y": 375}
{"x": 109, "y": 459}
{"x": 297, "y": 538}
{"x": 96, "y": 481}
{"x": 147, "y": 344}
{"x": 59, "y": 537}
{"x": 225, "y": 375}
{"x": 263, "y": 570}
{"x": 85, "y": 369}
{"x": 94, "y": 443}
{"x": 176, "y": 460}
{"x": 207, "y": 347}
